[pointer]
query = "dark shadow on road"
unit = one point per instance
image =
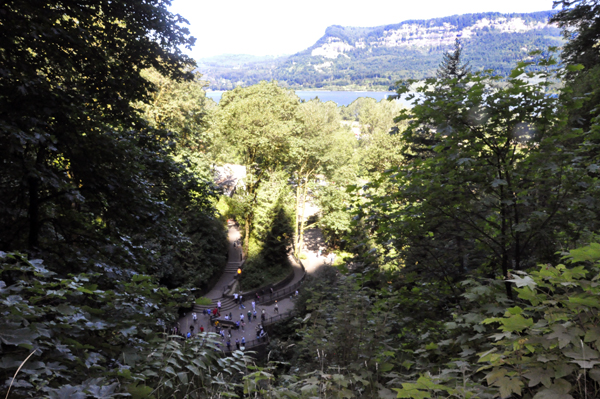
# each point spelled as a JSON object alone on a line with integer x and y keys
{"x": 313, "y": 240}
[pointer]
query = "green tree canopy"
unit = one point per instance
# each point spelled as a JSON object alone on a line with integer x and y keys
{"x": 258, "y": 124}
{"x": 83, "y": 177}
{"x": 494, "y": 193}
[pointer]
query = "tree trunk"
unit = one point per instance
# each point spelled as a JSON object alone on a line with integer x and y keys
{"x": 34, "y": 218}
{"x": 302, "y": 223}
{"x": 503, "y": 244}
{"x": 246, "y": 247}
{"x": 297, "y": 224}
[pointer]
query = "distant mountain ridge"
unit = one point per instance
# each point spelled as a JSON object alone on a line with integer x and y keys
{"x": 374, "y": 58}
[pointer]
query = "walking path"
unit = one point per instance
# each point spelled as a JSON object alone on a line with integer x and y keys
{"x": 285, "y": 303}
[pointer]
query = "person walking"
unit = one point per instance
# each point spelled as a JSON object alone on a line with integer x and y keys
{"x": 276, "y": 308}
{"x": 253, "y": 305}
{"x": 219, "y": 305}
{"x": 194, "y": 317}
{"x": 243, "y": 341}
{"x": 229, "y": 345}
{"x": 254, "y": 315}
{"x": 249, "y": 316}
{"x": 237, "y": 344}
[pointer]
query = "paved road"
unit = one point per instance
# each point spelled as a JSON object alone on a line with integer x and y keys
{"x": 312, "y": 263}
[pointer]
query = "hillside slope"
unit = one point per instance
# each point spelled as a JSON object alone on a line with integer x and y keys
{"x": 375, "y": 58}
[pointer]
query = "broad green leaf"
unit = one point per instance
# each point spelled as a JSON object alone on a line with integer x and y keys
{"x": 495, "y": 375}
{"x": 385, "y": 367}
{"x": 595, "y": 374}
{"x": 540, "y": 375}
{"x": 523, "y": 282}
{"x": 586, "y": 364}
{"x": 67, "y": 392}
{"x": 563, "y": 369}
{"x": 183, "y": 377}
{"x": 193, "y": 369}
{"x": 18, "y": 336}
{"x": 563, "y": 335}
{"x": 508, "y": 386}
{"x": 515, "y": 323}
{"x": 431, "y": 346}
{"x": 581, "y": 352}
{"x": 409, "y": 391}
{"x": 585, "y": 300}
{"x": 559, "y": 390}
{"x": 575, "y": 67}
{"x": 515, "y": 310}
{"x": 593, "y": 335}
{"x": 588, "y": 253}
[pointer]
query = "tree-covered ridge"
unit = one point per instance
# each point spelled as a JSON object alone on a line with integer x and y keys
{"x": 351, "y": 34}
{"x": 375, "y": 58}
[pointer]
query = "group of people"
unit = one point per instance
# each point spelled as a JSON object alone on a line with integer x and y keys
{"x": 176, "y": 330}
{"x": 330, "y": 258}
{"x": 226, "y": 335}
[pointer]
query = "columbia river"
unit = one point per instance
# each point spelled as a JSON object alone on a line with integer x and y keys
{"x": 339, "y": 97}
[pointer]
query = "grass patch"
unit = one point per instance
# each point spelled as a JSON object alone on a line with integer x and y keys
{"x": 203, "y": 301}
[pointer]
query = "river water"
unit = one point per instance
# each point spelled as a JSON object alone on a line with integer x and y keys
{"x": 339, "y": 97}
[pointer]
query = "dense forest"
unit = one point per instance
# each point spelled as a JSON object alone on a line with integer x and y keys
{"x": 376, "y": 66}
{"x": 465, "y": 228}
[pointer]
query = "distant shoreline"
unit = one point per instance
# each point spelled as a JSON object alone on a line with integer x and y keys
{"x": 321, "y": 89}
{"x": 340, "y": 97}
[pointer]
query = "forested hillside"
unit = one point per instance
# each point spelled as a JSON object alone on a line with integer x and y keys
{"x": 465, "y": 228}
{"x": 375, "y": 58}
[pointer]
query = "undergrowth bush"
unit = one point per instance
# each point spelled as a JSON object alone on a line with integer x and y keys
{"x": 359, "y": 342}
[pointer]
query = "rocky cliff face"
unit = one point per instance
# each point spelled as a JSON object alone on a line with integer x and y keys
{"x": 421, "y": 35}
{"x": 376, "y": 57}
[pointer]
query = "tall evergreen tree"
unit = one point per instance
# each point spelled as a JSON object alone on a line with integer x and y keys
{"x": 452, "y": 65}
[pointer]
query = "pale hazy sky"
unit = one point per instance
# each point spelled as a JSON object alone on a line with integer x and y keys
{"x": 275, "y": 27}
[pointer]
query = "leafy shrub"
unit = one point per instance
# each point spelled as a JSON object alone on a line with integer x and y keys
{"x": 87, "y": 341}
{"x": 550, "y": 345}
